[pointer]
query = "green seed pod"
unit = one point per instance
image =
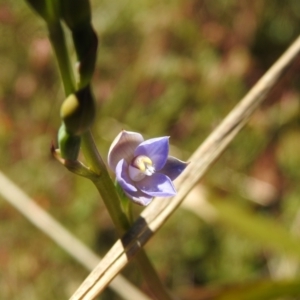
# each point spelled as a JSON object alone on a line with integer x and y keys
{"x": 78, "y": 111}
{"x": 69, "y": 145}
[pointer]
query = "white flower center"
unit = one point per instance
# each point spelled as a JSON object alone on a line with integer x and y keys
{"x": 140, "y": 167}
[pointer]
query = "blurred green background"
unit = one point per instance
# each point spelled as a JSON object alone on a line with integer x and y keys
{"x": 164, "y": 68}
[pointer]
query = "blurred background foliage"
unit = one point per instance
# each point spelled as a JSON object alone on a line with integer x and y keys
{"x": 169, "y": 67}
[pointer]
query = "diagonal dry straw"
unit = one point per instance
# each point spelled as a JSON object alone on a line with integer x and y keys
{"x": 154, "y": 216}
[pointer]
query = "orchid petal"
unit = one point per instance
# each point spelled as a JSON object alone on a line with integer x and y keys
{"x": 127, "y": 184}
{"x": 173, "y": 167}
{"x": 123, "y": 178}
{"x": 157, "y": 185}
{"x": 156, "y": 149}
{"x": 123, "y": 146}
{"x": 139, "y": 197}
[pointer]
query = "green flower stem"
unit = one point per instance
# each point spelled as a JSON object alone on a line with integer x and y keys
{"x": 126, "y": 203}
{"x": 104, "y": 184}
{"x": 57, "y": 39}
{"x": 109, "y": 195}
{"x": 127, "y": 207}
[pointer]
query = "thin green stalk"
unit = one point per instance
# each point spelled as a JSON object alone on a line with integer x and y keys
{"x": 57, "y": 38}
{"x": 126, "y": 203}
{"x": 104, "y": 184}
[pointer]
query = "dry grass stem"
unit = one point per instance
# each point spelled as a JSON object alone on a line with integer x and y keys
{"x": 155, "y": 215}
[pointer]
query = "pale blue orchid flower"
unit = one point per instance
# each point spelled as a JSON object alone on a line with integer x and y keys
{"x": 143, "y": 168}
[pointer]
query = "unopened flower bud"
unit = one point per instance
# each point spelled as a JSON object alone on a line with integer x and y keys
{"x": 86, "y": 45}
{"x": 78, "y": 111}
{"x": 77, "y": 15}
{"x": 69, "y": 144}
